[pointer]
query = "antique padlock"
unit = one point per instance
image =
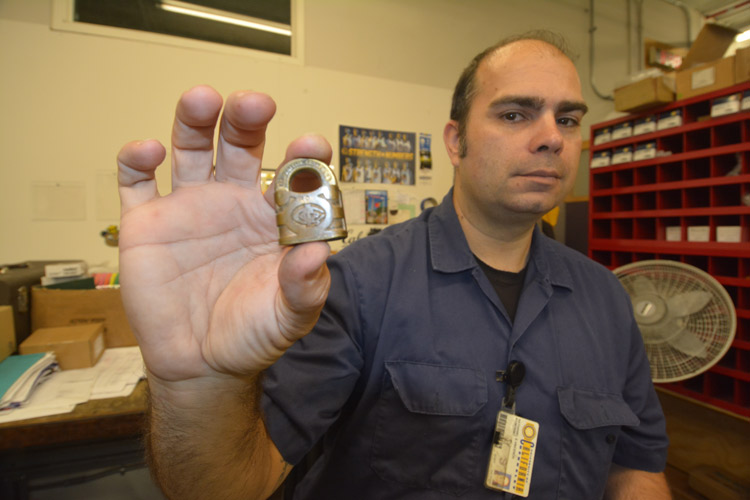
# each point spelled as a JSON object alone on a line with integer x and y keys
{"x": 317, "y": 215}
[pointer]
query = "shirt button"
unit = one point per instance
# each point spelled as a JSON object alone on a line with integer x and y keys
{"x": 611, "y": 438}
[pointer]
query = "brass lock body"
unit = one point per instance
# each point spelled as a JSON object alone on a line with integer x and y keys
{"x": 316, "y": 215}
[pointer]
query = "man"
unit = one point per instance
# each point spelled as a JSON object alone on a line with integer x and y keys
{"x": 407, "y": 366}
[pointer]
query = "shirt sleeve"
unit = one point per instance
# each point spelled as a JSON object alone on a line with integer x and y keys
{"x": 643, "y": 446}
{"x": 304, "y": 392}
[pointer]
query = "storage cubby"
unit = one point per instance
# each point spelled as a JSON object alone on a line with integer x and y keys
{"x": 690, "y": 206}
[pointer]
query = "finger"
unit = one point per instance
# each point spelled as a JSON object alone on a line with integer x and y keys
{"x": 136, "y": 167}
{"x": 308, "y": 146}
{"x": 193, "y": 136}
{"x": 304, "y": 280}
{"x": 242, "y": 137}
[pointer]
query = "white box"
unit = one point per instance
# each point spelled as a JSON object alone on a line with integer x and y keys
{"x": 728, "y": 234}
{"x": 698, "y": 233}
{"x": 600, "y": 159}
{"x": 674, "y": 233}
{"x": 622, "y": 155}
{"x": 644, "y": 125}
{"x": 602, "y": 136}
{"x": 726, "y": 105}
{"x": 645, "y": 151}
{"x": 65, "y": 269}
{"x": 622, "y": 130}
{"x": 669, "y": 119}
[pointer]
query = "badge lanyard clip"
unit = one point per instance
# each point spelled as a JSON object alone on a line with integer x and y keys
{"x": 513, "y": 377}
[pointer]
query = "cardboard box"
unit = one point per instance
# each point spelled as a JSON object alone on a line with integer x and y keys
{"x": 75, "y": 347}
{"x": 79, "y": 307}
{"x": 742, "y": 65}
{"x": 710, "y": 44}
{"x": 7, "y": 332}
{"x": 644, "y": 94}
{"x": 705, "y": 78}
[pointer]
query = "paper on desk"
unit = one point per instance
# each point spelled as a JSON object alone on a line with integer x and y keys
{"x": 119, "y": 371}
{"x": 115, "y": 375}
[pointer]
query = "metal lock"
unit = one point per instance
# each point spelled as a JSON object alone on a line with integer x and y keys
{"x": 317, "y": 215}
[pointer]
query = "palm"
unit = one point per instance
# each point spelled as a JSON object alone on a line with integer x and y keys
{"x": 200, "y": 268}
{"x": 204, "y": 270}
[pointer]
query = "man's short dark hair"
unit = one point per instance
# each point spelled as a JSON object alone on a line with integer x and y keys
{"x": 466, "y": 87}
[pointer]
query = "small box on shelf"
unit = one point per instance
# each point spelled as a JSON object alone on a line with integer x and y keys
{"x": 644, "y": 125}
{"x": 602, "y": 135}
{"x": 726, "y": 105}
{"x": 622, "y": 130}
{"x": 601, "y": 159}
{"x": 645, "y": 151}
{"x": 669, "y": 119}
{"x": 698, "y": 233}
{"x": 622, "y": 154}
{"x": 674, "y": 233}
{"x": 728, "y": 234}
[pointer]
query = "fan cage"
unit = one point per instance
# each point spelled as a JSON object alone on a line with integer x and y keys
{"x": 715, "y": 325}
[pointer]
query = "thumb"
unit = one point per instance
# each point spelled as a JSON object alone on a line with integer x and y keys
{"x": 304, "y": 281}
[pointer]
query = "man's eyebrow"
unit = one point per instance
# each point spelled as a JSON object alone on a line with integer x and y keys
{"x": 537, "y": 103}
{"x": 568, "y": 106}
{"x": 519, "y": 100}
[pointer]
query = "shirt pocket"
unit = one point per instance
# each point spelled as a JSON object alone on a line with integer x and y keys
{"x": 428, "y": 427}
{"x": 590, "y": 427}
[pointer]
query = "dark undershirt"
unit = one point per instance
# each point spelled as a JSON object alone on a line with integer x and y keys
{"x": 507, "y": 285}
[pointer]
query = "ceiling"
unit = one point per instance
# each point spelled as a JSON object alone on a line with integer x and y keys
{"x": 735, "y": 14}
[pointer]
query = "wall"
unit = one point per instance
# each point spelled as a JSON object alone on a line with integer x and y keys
{"x": 69, "y": 100}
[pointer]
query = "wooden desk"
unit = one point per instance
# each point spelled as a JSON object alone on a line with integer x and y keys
{"x": 96, "y": 419}
{"x": 99, "y": 434}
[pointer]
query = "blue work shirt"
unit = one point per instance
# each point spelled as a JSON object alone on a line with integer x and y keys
{"x": 398, "y": 378}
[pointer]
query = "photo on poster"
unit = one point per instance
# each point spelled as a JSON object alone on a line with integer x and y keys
{"x": 373, "y": 156}
{"x": 376, "y": 207}
{"x": 425, "y": 151}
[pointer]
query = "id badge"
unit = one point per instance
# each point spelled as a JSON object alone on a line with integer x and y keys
{"x": 512, "y": 456}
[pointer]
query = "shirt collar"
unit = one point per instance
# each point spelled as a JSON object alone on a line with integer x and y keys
{"x": 450, "y": 252}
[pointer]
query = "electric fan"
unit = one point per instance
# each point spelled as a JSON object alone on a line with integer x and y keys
{"x": 686, "y": 317}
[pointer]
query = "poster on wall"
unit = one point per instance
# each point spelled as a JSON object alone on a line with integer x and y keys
{"x": 373, "y": 156}
{"x": 376, "y": 203}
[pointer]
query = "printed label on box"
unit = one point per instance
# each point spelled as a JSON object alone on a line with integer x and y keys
{"x": 674, "y": 233}
{"x": 703, "y": 78}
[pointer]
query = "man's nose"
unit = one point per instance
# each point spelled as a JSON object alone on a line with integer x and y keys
{"x": 547, "y": 135}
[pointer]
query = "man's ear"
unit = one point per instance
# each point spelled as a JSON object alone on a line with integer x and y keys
{"x": 451, "y": 138}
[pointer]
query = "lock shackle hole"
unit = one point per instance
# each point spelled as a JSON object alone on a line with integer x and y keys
{"x": 305, "y": 180}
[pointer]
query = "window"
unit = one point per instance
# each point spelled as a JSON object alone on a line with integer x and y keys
{"x": 264, "y": 25}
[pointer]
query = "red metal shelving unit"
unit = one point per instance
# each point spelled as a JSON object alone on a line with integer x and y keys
{"x": 702, "y": 182}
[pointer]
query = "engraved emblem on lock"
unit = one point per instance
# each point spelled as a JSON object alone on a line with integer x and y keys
{"x": 316, "y": 215}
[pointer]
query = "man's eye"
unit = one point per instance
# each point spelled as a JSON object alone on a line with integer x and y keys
{"x": 567, "y": 121}
{"x": 511, "y": 116}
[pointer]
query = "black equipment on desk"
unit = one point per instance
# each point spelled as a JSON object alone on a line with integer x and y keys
{"x": 16, "y": 281}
